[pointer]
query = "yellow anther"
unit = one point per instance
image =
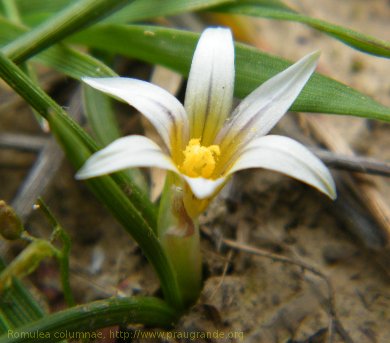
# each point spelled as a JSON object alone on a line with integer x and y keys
{"x": 199, "y": 161}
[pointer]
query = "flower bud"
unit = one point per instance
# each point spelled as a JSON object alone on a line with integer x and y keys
{"x": 11, "y": 226}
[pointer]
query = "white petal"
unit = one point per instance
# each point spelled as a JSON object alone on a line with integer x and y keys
{"x": 209, "y": 93}
{"x": 123, "y": 153}
{"x": 258, "y": 113}
{"x": 287, "y": 156}
{"x": 161, "y": 108}
{"x": 204, "y": 188}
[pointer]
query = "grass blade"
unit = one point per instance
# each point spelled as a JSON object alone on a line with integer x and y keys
{"x": 174, "y": 49}
{"x": 146, "y": 9}
{"x": 92, "y": 316}
{"x": 17, "y": 306}
{"x": 36, "y": 11}
{"x": 79, "y": 146}
{"x": 69, "y": 20}
{"x": 64, "y": 59}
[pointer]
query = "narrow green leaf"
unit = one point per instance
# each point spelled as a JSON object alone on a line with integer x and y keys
{"x": 27, "y": 7}
{"x": 17, "y": 306}
{"x": 11, "y": 10}
{"x": 277, "y": 10}
{"x": 111, "y": 195}
{"x": 75, "y": 64}
{"x": 63, "y": 252}
{"x": 64, "y": 59}
{"x": 272, "y": 9}
{"x": 35, "y": 11}
{"x": 27, "y": 261}
{"x": 174, "y": 49}
{"x": 68, "y": 21}
{"x": 92, "y": 316}
{"x": 13, "y": 14}
{"x": 79, "y": 146}
{"x": 146, "y": 9}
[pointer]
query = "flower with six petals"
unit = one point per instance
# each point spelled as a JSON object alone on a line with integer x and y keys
{"x": 204, "y": 142}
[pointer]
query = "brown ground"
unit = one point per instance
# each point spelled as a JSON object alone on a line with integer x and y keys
{"x": 261, "y": 299}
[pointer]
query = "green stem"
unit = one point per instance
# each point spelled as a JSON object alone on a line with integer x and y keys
{"x": 69, "y": 20}
{"x": 184, "y": 253}
{"x": 27, "y": 261}
{"x": 75, "y": 143}
{"x": 179, "y": 235}
{"x": 63, "y": 255}
{"x": 64, "y": 268}
{"x": 95, "y": 315}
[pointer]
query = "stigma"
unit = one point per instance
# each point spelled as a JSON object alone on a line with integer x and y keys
{"x": 199, "y": 160}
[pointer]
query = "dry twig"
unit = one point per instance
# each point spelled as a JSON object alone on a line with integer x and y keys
{"x": 367, "y": 192}
{"x": 22, "y": 142}
{"x": 45, "y": 167}
{"x": 225, "y": 268}
{"x": 353, "y": 163}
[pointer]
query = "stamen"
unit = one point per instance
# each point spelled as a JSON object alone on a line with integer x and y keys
{"x": 199, "y": 161}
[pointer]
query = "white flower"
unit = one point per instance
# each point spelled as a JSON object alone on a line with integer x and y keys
{"x": 204, "y": 142}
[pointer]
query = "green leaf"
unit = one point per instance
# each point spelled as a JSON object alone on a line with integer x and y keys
{"x": 146, "y": 9}
{"x": 17, "y": 306}
{"x": 79, "y": 147}
{"x": 174, "y": 49}
{"x": 277, "y": 10}
{"x": 64, "y": 59}
{"x": 92, "y": 316}
{"x": 35, "y": 11}
{"x": 11, "y": 10}
{"x": 76, "y": 64}
{"x": 132, "y": 213}
{"x": 72, "y": 18}
{"x": 27, "y": 261}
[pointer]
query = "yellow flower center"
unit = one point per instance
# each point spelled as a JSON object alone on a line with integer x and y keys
{"x": 199, "y": 161}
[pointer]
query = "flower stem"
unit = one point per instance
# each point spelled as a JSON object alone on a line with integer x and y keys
{"x": 63, "y": 254}
{"x": 179, "y": 235}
